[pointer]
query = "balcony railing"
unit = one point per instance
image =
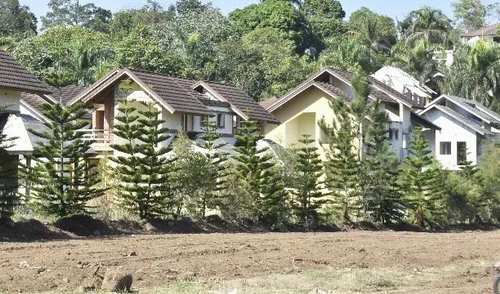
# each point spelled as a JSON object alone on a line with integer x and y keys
{"x": 101, "y": 139}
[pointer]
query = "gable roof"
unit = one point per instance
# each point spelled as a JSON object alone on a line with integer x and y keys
{"x": 472, "y": 107}
{"x": 378, "y": 90}
{"x": 462, "y": 119}
{"x": 14, "y": 76}
{"x": 487, "y": 31}
{"x": 177, "y": 94}
{"x": 400, "y": 80}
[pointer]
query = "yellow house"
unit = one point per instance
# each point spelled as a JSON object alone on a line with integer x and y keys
{"x": 301, "y": 110}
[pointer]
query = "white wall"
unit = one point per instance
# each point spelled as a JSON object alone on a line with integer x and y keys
{"x": 452, "y": 131}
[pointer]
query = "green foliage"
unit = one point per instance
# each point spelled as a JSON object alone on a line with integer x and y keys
{"x": 475, "y": 74}
{"x": 324, "y": 18}
{"x": 62, "y": 178}
{"x": 254, "y": 175}
{"x": 382, "y": 199}
{"x": 428, "y": 24}
{"x": 418, "y": 60}
{"x": 8, "y": 173}
{"x": 142, "y": 168}
{"x": 469, "y": 14}
{"x": 64, "y": 55}
{"x": 71, "y": 13}
{"x": 375, "y": 31}
{"x": 16, "y": 19}
{"x": 308, "y": 190}
{"x": 342, "y": 166}
{"x": 421, "y": 181}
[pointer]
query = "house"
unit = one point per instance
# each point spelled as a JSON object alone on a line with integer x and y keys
{"x": 488, "y": 33}
{"x": 301, "y": 110}
{"x": 466, "y": 127}
{"x": 184, "y": 104}
{"x": 16, "y": 81}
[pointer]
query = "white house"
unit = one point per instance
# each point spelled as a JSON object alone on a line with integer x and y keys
{"x": 466, "y": 127}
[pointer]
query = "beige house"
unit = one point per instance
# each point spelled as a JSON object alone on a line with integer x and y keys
{"x": 183, "y": 104}
{"x": 301, "y": 110}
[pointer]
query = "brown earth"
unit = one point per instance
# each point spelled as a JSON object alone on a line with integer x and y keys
{"x": 427, "y": 262}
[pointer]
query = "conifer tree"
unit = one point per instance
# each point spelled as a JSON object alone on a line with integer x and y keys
{"x": 342, "y": 166}
{"x": 361, "y": 108}
{"x": 153, "y": 163}
{"x": 63, "y": 180}
{"x": 141, "y": 165}
{"x": 421, "y": 181}
{"x": 309, "y": 197}
{"x": 382, "y": 198}
{"x": 216, "y": 171}
{"x": 8, "y": 182}
{"x": 253, "y": 168}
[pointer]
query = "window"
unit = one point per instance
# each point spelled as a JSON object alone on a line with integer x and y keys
{"x": 221, "y": 121}
{"x": 461, "y": 152}
{"x": 445, "y": 148}
{"x": 393, "y": 134}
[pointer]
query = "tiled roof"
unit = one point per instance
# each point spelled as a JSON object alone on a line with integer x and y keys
{"x": 175, "y": 92}
{"x": 463, "y": 119}
{"x": 67, "y": 93}
{"x": 14, "y": 76}
{"x": 490, "y": 30}
{"x": 243, "y": 102}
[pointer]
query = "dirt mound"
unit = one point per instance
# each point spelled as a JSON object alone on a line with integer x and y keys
{"x": 182, "y": 226}
{"x": 84, "y": 225}
{"x": 30, "y": 230}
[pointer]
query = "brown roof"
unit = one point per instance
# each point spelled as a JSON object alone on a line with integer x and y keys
{"x": 243, "y": 102}
{"x": 64, "y": 94}
{"x": 490, "y": 30}
{"x": 14, "y": 76}
{"x": 67, "y": 93}
{"x": 175, "y": 92}
{"x": 180, "y": 94}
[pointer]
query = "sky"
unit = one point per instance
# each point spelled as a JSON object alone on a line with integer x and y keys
{"x": 397, "y": 9}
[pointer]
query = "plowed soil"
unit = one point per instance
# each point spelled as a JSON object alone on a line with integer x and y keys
{"x": 447, "y": 263}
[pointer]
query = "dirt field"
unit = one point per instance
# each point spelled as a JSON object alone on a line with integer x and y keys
{"x": 352, "y": 262}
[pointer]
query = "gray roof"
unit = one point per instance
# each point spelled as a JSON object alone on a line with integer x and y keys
{"x": 475, "y": 108}
{"x": 487, "y": 31}
{"x": 14, "y": 76}
{"x": 463, "y": 119}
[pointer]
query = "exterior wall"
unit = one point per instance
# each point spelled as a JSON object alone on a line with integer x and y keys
{"x": 10, "y": 99}
{"x": 452, "y": 131}
{"x": 301, "y": 116}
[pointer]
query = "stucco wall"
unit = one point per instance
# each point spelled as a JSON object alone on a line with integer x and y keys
{"x": 452, "y": 131}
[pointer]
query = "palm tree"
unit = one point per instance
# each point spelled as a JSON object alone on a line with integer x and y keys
{"x": 429, "y": 24}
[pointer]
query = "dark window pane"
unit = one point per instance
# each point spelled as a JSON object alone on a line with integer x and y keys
{"x": 461, "y": 152}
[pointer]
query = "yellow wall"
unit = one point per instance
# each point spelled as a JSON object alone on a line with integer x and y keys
{"x": 301, "y": 116}
{"x": 9, "y": 99}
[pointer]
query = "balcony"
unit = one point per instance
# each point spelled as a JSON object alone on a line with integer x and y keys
{"x": 102, "y": 139}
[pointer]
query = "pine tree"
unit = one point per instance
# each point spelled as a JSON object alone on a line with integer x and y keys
{"x": 421, "y": 181}
{"x": 8, "y": 182}
{"x": 309, "y": 196}
{"x": 253, "y": 168}
{"x": 382, "y": 199}
{"x": 216, "y": 172}
{"x": 361, "y": 108}
{"x": 342, "y": 167}
{"x": 63, "y": 180}
{"x": 153, "y": 163}
{"x": 141, "y": 165}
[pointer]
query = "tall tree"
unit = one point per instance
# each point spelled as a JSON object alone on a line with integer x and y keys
{"x": 469, "y": 14}
{"x": 342, "y": 166}
{"x": 72, "y": 13}
{"x": 309, "y": 195}
{"x": 427, "y": 24}
{"x": 324, "y": 18}
{"x": 16, "y": 19}
{"x": 421, "y": 181}
{"x": 376, "y": 31}
{"x": 253, "y": 171}
{"x": 63, "y": 180}
{"x": 65, "y": 55}
{"x": 382, "y": 199}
